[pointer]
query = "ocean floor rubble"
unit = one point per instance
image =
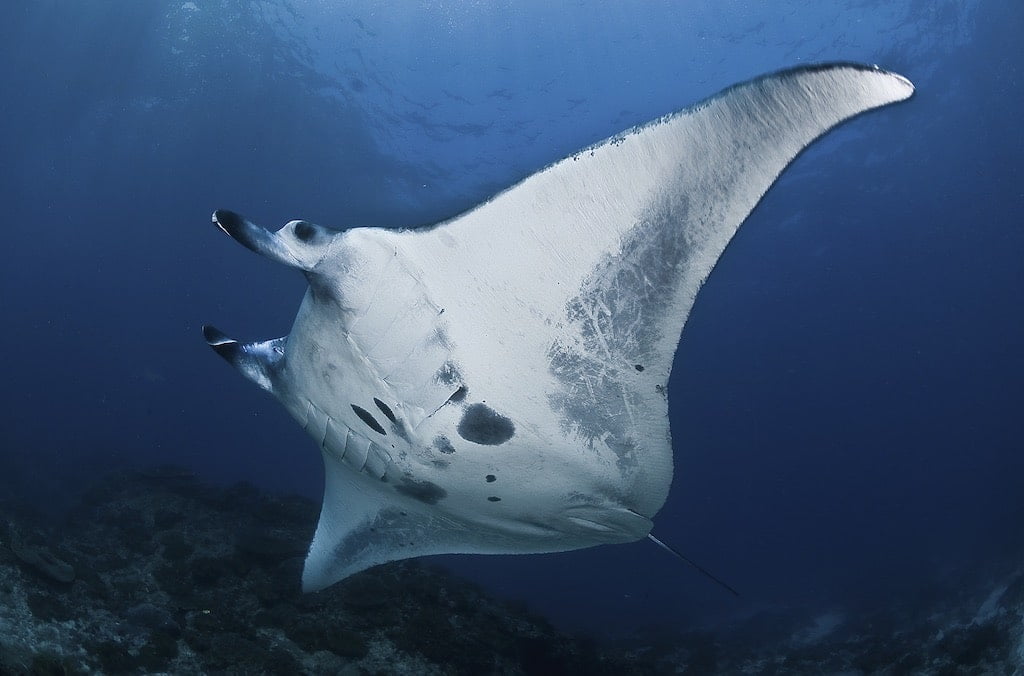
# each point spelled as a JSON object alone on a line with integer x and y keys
{"x": 157, "y": 572}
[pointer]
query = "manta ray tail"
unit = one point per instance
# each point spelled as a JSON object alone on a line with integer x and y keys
{"x": 673, "y": 551}
{"x": 255, "y": 361}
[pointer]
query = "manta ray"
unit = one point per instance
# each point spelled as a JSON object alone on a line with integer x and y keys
{"x": 496, "y": 383}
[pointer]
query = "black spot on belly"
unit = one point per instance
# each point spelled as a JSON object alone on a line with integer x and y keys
{"x": 639, "y": 367}
{"x": 481, "y": 424}
{"x": 385, "y": 409}
{"x": 442, "y": 444}
{"x": 490, "y": 478}
{"x": 494, "y": 499}
{"x": 424, "y": 491}
{"x": 367, "y": 418}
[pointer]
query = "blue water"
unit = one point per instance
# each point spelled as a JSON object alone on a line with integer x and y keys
{"x": 846, "y": 400}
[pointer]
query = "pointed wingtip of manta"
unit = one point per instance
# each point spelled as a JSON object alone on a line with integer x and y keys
{"x": 893, "y": 86}
{"x": 314, "y": 577}
{"x": 906, "y": 86}
{"x": 902, "y": 88}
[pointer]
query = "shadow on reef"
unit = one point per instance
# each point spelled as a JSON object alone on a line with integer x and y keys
{"x": 158, "y": 572}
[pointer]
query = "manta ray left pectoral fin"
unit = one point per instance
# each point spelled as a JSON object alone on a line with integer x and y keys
{"x": 255, "y": 361}
{"x": 346, "y": 528}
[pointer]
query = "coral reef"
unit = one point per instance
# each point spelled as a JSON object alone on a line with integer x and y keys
{"x": 157, "y": 572}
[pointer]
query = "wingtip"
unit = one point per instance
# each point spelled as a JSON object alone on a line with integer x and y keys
{"x": 314, "y": 578}
{"x": 896, "y": 86}
{"x": 907, "y": 84}
{"x": 906, "y": 87}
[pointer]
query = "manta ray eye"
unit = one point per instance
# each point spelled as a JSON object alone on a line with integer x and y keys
{"x": 304, "y": 231}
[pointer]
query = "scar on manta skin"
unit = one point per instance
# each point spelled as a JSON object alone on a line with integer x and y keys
{"x": 496, "y": 383}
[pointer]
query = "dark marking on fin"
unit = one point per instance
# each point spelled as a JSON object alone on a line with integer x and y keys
{"x": 481, "y": 424}
{"x": 399, "y": 427}
{"x": 442, "y": 444}
{"x": 385, "y": 409}
{"x": 448, "y": 374}
{"x": 494, "y": 498}
{"x": 456, "y": 396}
{"x": 367, "y": 418}
{"x": 490, "y": 478}
{"x": 425, "y": 491}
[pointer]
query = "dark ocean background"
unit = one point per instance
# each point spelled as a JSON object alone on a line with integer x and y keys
{"x": 846, "y": 400}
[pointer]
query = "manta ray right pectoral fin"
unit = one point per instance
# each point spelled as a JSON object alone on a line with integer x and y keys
{"x": 253, "y": 360}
